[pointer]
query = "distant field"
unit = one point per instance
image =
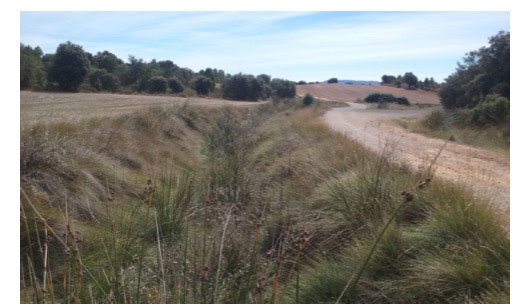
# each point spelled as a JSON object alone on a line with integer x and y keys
{"x": 49, "y": 107}
{"x": 351, "y": 92}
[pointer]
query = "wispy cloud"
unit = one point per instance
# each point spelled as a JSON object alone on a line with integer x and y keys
{"x": 295, "y": 45}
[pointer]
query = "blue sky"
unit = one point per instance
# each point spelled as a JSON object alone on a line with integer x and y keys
{"x": 294, "y": 45}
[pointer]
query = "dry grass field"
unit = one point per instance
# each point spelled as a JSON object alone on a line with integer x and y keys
{"x": 352, "y": 92}
{"x": 38, "y": 107}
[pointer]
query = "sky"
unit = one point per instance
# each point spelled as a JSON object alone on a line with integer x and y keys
{"x": 310, "y": 46}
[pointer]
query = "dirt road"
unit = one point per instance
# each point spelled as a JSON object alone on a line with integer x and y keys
{"x": 486, "y": 172}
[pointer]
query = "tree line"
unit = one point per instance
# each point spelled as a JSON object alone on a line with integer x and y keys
{"x": 410, "y": 81}
{"x": 480, "y": 86}
{"x": 71, "y": 69}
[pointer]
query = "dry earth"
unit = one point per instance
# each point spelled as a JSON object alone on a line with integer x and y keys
{"x": 351, "y": 92}
{"x": 36, "y": 107}
{"x": 486, "y": 172}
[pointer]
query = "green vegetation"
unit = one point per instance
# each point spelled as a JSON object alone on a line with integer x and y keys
{"x": 475, "y": 99}
{"x": 386, "y": 98}
{"x": 101, "y": 80}
{"x": 243, "y": 205}
{"x": 244, "y": 87}
{"x": 202, "y": 85}
{"x": 332, "y": 80}
{"x": 158, "y": 84}
{"x": 283, "y": 88}
{"x": 411, "y": 81}
{"x": 175, "y": 85}
{"x": 308, "y": 100}
{"x": 73, "y": 69}
{"x": 485, "y": 71}
{"x": 32, "y": 73}
{"x": 70, "y": 66}
{"x": 464, "y": 127}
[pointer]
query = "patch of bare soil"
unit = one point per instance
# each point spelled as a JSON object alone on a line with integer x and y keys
{"x": 486, "y": 172}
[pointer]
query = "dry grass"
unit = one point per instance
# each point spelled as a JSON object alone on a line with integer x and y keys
{"x": 352, "y": 92}
{"x": 44, "y": 107}
{"x": 240, "y": 205}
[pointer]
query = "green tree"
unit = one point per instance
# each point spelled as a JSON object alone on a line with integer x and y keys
{"x": 202, "y": 85}
{"x": 265, "y": 78}
{"x": 410, "y": 79}
{"x": 332, "y": 80}
{"x": 175, "y": 85}
{"x": 158, "y": 84}
{"x": 32, "y": 72}
{"x": 243, "y": 87}
{"x": 70, "y": 66}
{"x": 483, "y": 72}
{"x": 101, "y": 80}
{"x": 107, "y": 61}
{"x": 386, "y": 79}
{"x": 283, "y": 88}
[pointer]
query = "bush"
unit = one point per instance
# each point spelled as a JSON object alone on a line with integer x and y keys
{"x": 32, "y": 73}
{"x": 332, "y": 80}
{"x": 302, "y": 82}
{"x": 308, "y": 100}
{"x": 383, "y": 98}
{"x": 243, "y": 87}
{"x": 493, "y": 110}
{"x": 402, "y": 100}
{"x": 202, "y": 85}
{"x": 101, "y": 80}
{"x": 283, "y": 88}
{"x": 435, "y": 120}
{"x": 175, "y": 85}
{"x": 70, "y": 66}
{"x": 158, "y": 84}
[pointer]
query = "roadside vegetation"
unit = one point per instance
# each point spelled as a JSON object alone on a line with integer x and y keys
{"x": 257, "y": 204}
{"x": 476, "y": 99}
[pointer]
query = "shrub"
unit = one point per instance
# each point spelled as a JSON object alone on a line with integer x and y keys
{"x": 101, "y": 80}
{"x": 283, "y": 88}
{"x": 158, "y": 84}
{"x": 243, "y": 87}
{"x": 383, "y": 98}
{"x": 308, "y": 100}
{"x": 175, "y": 85}
{"x": 435, "y": 120}
{"x": 302, "y": 82}
{"x": 402, "y": 100}
{"x": 493, "y": 110}
{"x": 202, "y": 85}
{"x": 484, "y": 71}
{"x": 32, "y": 73}
{"x": 70, "y": 66}
{"x": 332, "y": 80}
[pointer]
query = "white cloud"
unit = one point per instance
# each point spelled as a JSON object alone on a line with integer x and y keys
{"x": 283, "y": 43}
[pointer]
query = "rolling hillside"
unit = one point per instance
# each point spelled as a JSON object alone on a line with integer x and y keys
{"x": 351, "y": 92}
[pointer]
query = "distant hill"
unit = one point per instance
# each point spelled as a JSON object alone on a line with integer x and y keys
{"x": 357, "y": 82}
